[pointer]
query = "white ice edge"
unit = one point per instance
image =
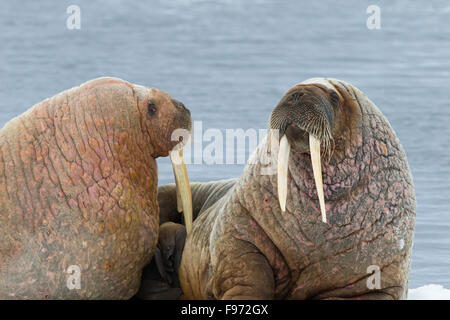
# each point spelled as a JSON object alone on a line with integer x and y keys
{"x": 429, "y": 292}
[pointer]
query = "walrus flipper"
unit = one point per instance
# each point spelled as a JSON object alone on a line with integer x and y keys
{"x": 160, "y": 265}
{"x": 160, "y": 277}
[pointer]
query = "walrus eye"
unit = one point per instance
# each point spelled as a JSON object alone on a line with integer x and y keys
{"x": 151, "y": 109}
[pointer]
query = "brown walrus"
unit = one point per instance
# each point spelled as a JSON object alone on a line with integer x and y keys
{"x": 78, "y": 188}
{"x": 338, "y": 213}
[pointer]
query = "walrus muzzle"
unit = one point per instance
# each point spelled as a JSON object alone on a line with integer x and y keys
{"x": 304, "y": 120}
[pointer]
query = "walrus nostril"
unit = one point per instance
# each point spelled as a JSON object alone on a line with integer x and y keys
{"x": 180, "y": 105}
{"x": 296, "y": 96}
{"x": 334, "y": 97}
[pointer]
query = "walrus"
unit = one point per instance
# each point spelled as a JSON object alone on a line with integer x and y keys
{"x": 160, "y": 280}
{"x": 160, "y": 277}
{"x": 323, "y": 210}
{"x": 79, "y": 217}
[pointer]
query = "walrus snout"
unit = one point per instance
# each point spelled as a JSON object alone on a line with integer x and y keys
{"x": 180, "y": 106}
{"x": 305, "y": 120}
{"x": 304, "y": 110}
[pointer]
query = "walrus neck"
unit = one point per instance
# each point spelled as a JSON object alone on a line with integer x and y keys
{"x": 343, "y": 172}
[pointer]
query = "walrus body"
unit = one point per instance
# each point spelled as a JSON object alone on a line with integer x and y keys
{"x": 78, "y": 183}
{"x": 244, "y": 246}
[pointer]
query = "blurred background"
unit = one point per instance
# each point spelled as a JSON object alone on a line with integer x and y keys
{"x": 230, "y": 62}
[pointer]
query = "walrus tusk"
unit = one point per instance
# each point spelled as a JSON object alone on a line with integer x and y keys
{"x": 179, "y": 203}
{"x": 183, "y": 188}
{"x": 283, "y": 163}
{"x": 314, "y": 148}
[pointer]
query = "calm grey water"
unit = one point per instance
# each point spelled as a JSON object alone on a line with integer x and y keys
{"x": 231, "y": 61}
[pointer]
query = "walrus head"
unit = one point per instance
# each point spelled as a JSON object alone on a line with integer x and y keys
{"x": 308, "y": 118}
{"x": 168, "y": 124}
{"x": 161, "y": 117}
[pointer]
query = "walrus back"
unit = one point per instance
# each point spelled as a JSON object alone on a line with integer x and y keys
{"x": 66, "y": 199}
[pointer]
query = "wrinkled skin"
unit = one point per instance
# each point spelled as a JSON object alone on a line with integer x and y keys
{"x": 244, "y": 247}
{"x": 161, "y": 282}
{"x": 78, "y": 186}
{"x": 160, "y": 277}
